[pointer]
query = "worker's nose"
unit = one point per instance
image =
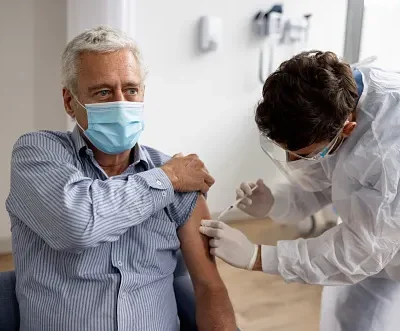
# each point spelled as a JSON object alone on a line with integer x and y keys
{"x": 290, "y": 157}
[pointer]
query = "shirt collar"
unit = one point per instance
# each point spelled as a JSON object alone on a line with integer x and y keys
{"x": 79, "y": 142}
{"x": 137, "y": 153}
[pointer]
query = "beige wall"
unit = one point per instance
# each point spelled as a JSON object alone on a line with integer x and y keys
{"x": 32, "y": 35}
{"x": 50, "y": 35}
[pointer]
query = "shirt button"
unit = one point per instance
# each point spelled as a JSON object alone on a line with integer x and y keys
{"x": 122, "y": 295}
{"x": 119, "y": 263}
{"x": 158, "y": 182}
{"x": 164, "y": 194}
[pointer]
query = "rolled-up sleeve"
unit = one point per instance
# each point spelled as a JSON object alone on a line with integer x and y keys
{"x": 182, "y": 207}
{"x": 162, "y": 191}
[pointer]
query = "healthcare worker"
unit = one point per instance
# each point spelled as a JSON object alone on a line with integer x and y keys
{"x": 338, "y": 130}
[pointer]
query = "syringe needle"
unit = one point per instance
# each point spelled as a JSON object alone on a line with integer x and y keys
{"x": 227, "y": 210}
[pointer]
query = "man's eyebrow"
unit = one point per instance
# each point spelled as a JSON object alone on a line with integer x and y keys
{"x": 132, "y": 83}
{"x": 105, "y": 85}
{"x": 99, "y": 86}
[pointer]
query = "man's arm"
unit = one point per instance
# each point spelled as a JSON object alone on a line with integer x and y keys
{"x": 214, "y": 310}
{"x": 73, "y": 212}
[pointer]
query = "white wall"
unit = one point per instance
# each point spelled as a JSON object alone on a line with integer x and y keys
{"x": 381, "y": 19}
{"x": 194, "y": 102}
{"x": 204, "y": 103}
{"x": 31, "y": 39}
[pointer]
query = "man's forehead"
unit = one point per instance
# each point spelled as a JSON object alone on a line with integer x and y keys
{"x": 94, "y": 64}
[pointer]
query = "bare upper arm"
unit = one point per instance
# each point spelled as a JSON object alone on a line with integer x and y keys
{"x": 195, "y": 248}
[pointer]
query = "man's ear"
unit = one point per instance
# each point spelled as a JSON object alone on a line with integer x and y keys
{"x": 349, "y": 128}
{"x": 68, "y": 99}
{"x": 144, "y": 91}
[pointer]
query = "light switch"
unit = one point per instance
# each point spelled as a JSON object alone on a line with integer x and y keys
{"x": 210, "y": 33}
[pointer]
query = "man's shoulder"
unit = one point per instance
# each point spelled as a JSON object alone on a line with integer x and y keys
{"x": 45, "y": 139}
{"x": 155, "y": 156}
{"x": 44, "y": 135}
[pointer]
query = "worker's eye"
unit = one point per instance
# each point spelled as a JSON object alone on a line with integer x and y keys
{"x": 103, "y": 93}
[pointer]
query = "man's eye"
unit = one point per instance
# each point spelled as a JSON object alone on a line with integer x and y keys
{"x": 132, "y": 91}
{"x": 103, "y": 93}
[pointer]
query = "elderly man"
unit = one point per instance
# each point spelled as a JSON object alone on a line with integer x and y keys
{"x": 98, "y": 220}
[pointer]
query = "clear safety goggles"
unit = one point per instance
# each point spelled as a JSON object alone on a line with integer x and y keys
{"x": 304, "y": 171}
{"x": 278, "y": 153}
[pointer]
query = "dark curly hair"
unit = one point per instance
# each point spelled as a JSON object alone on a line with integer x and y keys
{"x": 307, "y": 100}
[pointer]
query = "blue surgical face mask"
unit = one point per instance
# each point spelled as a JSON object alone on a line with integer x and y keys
{"x": 114, "y": 127}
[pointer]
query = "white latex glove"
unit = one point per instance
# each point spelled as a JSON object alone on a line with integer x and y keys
{"x": 230, "y": 244}
{"x": 259, "y": 202}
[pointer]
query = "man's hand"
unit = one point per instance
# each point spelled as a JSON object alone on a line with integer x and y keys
{"x": 230, "y": 244}
{"x": 188, "y": 174}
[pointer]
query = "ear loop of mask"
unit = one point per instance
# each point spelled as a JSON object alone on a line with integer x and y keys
{"x": 328, "y": 149}
{"x": 77, "y": 123}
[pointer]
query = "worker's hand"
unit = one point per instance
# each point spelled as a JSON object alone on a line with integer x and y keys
{"x": 229, "y": 244}
{"x": 188, "y": 174}
{"x": 259, "y": 202}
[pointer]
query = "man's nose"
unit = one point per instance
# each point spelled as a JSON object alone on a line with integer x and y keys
{"x": 119, "y": 96}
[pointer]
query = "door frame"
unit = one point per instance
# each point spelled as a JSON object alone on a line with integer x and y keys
{"x": 353, "y": 34}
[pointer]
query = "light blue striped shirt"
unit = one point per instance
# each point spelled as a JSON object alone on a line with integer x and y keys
{"x": 93, "y": 252}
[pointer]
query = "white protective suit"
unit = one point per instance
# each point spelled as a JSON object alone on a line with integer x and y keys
{"x": 362, "y": 181}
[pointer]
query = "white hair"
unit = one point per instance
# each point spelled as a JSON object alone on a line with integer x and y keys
{"x": 100, "y": 40}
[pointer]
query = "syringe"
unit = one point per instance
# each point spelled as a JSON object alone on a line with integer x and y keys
{"x": 227, "y": 210}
